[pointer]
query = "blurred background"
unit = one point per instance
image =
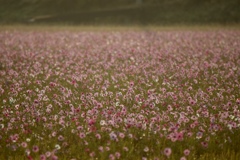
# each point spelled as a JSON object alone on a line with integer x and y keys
{"x": 120, "y": 12}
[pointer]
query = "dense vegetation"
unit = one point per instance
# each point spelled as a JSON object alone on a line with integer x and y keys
{"x": 120, "y": 95}
{"x": 120, "y": 11}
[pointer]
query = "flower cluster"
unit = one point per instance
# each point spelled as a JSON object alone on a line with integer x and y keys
{"x": 118, "y": 95}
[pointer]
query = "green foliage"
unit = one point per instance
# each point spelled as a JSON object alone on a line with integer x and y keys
{"x": 125, "y": 12}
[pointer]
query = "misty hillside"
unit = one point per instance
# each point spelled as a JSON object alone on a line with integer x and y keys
{"x": 163, "y": 12}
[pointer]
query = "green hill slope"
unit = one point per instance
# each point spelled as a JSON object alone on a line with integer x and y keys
{"x": 126, "y": 12}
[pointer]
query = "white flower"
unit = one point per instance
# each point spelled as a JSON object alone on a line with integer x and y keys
{"x": 27, "y": 152}
{"x": 231, "y": 117}
{"x": 229, "y": 126}
{"x": 102, "y": 123}
{"x": 2, "y": 125}
{"x": 57, "y": 146}
{"x": 11, "y": 100}
{"x": 146, "y": 149}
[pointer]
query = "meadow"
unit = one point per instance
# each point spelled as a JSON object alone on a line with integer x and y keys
{"x": 121, "y": 94}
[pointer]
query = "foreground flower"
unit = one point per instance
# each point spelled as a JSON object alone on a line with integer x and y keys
{"x": 35, "y": 149}
{"x": 167, "y": 151}
{"x": 204, "y": 144}
{"x": 82, "y": 135}
{"x": 60, "y": 138}
{"x": 146, "y": 149}
{"x": 117, "y": 154}
{"x": 183, "y": 158}
{"x": 43, "y": 157}
{"x": 24, "y": 144}
{"x": 186, "y": 152}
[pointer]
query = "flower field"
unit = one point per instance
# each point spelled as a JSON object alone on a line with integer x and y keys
{"x": 149, "y": 95}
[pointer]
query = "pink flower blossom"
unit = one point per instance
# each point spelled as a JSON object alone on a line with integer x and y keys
{"x": 167, "y": 151}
